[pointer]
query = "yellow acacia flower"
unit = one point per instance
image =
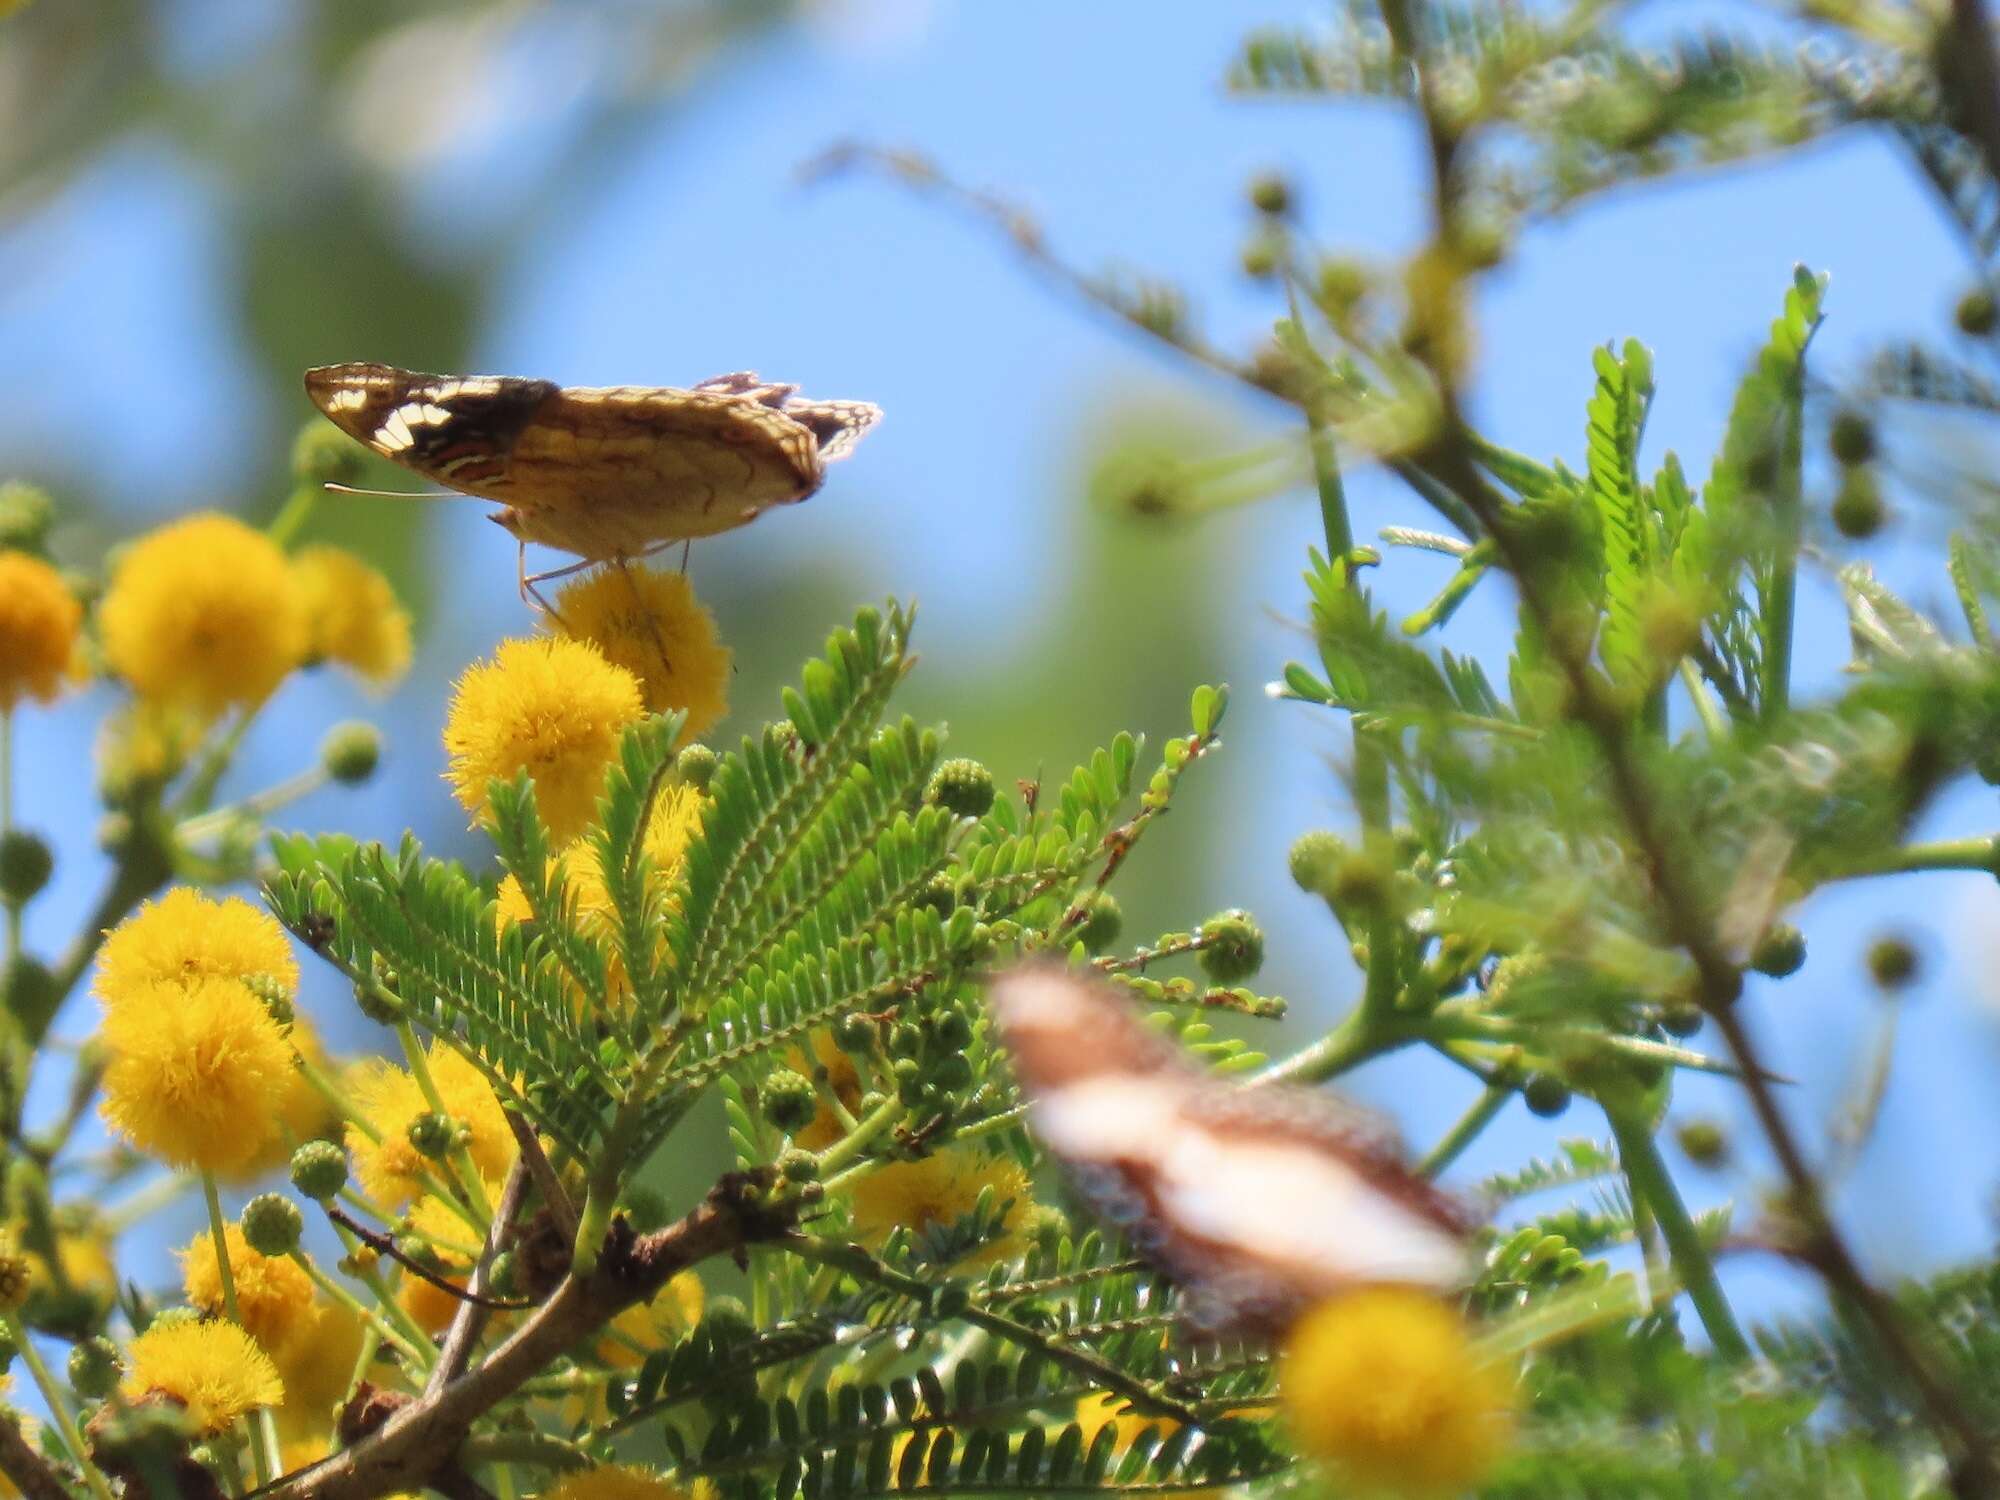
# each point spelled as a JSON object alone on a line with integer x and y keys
{"x": 622, "y": 1482}
{"x": 197, "y": 1074}
{"x": 315, "y": 1369}
{"x": 203, "y": 612}
{"x": 83, "y": 1254}
{"x": 213, "y": 1369}
{"x": 553, "y": 708}
{"x": 305, "y": 1114}
{"x": 1385, "y": 1383}
{"x": 352, "y": 616}
{"x": 273, "y": 1295}
{"x": 650, "y": 623}
{"x": 671, "y": 1315}
{"x": 941, "y": 1189}
{"x": 186, "y": 937}
{"x": 144, "y": 741}
{"x": 388, "y": 1098}
{"x": 39, "y": 619}
{"x": 841, "y": 1076}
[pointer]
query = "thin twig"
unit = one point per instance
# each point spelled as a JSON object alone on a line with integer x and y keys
{"x": 470, "y": 1320}
{"x": 385, "y": 1244}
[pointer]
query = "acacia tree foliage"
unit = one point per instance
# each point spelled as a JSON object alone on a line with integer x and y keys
{"x": 1554, "y": 882}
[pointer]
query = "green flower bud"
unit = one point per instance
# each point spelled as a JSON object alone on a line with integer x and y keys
{"x": 1233, "y": 947}
{"x": 954, "y": 1030}
{"x": 939, "y": 894}
{"x": 351, "y": 751}
{"x": 503, "y": 1276}
{"x": 1682, "y": 1020}
{"x": 1892, "y": 962}
{"x": 25, "y": 866}
{"x": 1103, "y": 920}
{"x": 26, "y": 513}
{"x": 788, "y": 1100}
{"x": 323, "y": 454}
{"x": 854, "y": 1033}
{"x": 272, "y": 1224}
{"x": 646, "y": 1208}
{"x": 273, "y": 992}
{"x": 1976, "y": 313}
{"x": 28, "y": 989}
{"x": 963, "y": 787}
{"x": 1703, "y": 1142}
{"x": 1315, "y": 860}
{"x": 8, "y": 1349}
{"x": 1045, "y": 1225}
{"x": 952, "y": 1072}
{"x": 379, "y": 1004}
{"x": 174, "y": 1317}
{"x": 432, "y": 1135}
{"x": 1270, "y": 194}
{"x": 726, "y": 1320}
{"x": 1259, "y": 256}
{"x": 696, "y": 765}
{"x": 1780, "y": 951}
{"x": 1858, "y": 511}
{"x": 94, "y": 1368}
{"x": 906, "y": 1040}
{"x": 798, "y": 1166}
{"x": 319, "y": 1170}
{"x": 1852, "y": 438}
{"x": 1545, "y": 1095}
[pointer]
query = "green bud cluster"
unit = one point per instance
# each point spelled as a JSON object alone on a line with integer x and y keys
{"x": 272, "y": 1224}
{"x": 961, "y": 787}
{"x": 319, "y": 1170}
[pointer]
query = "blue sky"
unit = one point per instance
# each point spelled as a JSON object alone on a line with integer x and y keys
{"x": 692, "y": 249}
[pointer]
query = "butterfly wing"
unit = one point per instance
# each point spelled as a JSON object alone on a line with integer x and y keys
{"x": 1257, "y": 1200}
{"x": 457, "y": 430}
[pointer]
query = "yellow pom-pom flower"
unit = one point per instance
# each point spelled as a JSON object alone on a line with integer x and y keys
{"x": 315, "y": 1368}
{"x": 203, "y": 612}
{"x": 621, "y": 1482}
{"x": 39, "y": 618}
{"x": 273, "y": 1296}
{"x": 650, "y": 623}
{"x": 941, "y": 1189}
{"x": 184, "y": 938}
{"x": 198, "y": 1072}
{"x": 841, "y": 1076}
{"x": 1386, "y": 1384}
{"x": 388, "y": 1098}
{"x": 304, "y": 1115}
{"x": 352, "y": 616}
{"x": 553, "y": 708}
{"x": 215, "y": 1370}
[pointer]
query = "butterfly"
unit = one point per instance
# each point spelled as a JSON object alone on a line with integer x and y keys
{"x": 1257, "y": 1200}
{"x": 608, "y": 473}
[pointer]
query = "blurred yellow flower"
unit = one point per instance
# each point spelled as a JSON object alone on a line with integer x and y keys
{"x": 553, "y": 708}
{"x": 39, "y": 620}
{"x": 841, "y": 1076}
{"x": 144, "y": 741}
{"x": 198, "y": 1072}
{"x": 184, "y": 938}
{"x": 316, "y": 1369}
{"x": 388, "y": 1098}
{"x": 304, "y": 1115}
{"x": 671, "y": 1315}
{"x": 274, "y": 1296}
{"x": 650, "y": 623}
{"x": 203, "y": 612}
{"x": 352, "y": 616}
{"x": 1385, "y": 1383}
{"x": 620, "y": 1482}
{"x": 940, "y": 1190}
{"x": 83, "y": 1253}
{"x": 213, "y": 1369}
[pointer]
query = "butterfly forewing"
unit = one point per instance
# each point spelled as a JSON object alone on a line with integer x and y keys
{"x": 1257, "y": 1200}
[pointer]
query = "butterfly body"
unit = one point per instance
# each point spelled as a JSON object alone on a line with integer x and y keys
{"x": 601, "y": 471}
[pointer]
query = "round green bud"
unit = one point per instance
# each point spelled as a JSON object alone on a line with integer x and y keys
{"x": 272, "y": 1224}
{"x": 906, "y": 1040}
{"x": 275, "y": 994}
{"x": 788, "y": 1100}
{"x": 1780, "y": 951}
{"x": 645, "y": 1208}
{"x": 1892, "y": 962}
{"x": 696, "y": 765}
{"x": 323, "y": 454}
{"x": 319, "y": 1170}
{"x": 952, "y": 1072}
{"x": 432, "y": 1133}
{"x": 1270, "y": 193}
{"x": 1259, "y": 256}
{"x": 798, "y": 1166}
{"x": 1858, "y": 511}
{"x": 1976, "y": 313}
{"x": 962, "y": 787}
{"x": 26, "y": 513}
{"x": 25, "y": 866}
{"x": 414, "y": 1247}
{"x": 1682, "y": 1020}
{"x": 1703, "y": 1142}
{"x": 726, "y": 1320}
{"x": 1342, "y": 283}
{"x": 94, "y": 1368}
{"x": 1545, "y": 1095}
{"x": 351, "y": 751}
{"x": 29, "y": 991}
{"x": 1103, "y": 920}
{"x": 1852, "y": 438}
{"x": 1045, "y": 1225}
{"x": 378, "y": 1003}
{"x": 939, "y": 894}
{"x": 174, "y": 1317}
{"x": 954, "y": 1030}
{"x": 503, "y": 1276}
{"x": 854, "y": 1033}
{"x": 1232, "y": 947}
{"x": 1314, "y": 859}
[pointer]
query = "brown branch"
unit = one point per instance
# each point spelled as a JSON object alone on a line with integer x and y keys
{"x": 1972, "y": 76}
{"x": 470, "y": 1320}
{"x": 554, "y": 1194}
{"x": 33, "y": 1475}
{"x": 420, "y": 1439}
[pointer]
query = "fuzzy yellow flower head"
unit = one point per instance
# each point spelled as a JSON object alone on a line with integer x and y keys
{"x": 184, "y": 938}
{"x": 650, "y": 623}
{"x": 388, "y": 1098}
{"x": 198, "y": 1072}
{"x": 273, "y": 1295}
{"x": 352, "y": 616}
{"x": 620, "y": 1482}
{"x": 553, "y": 708}
{"x": 215, "y": 1370}
{"x": 305, "y": 1113}
{"x": 39, "y": 618}
{"x": 941, "y": 1189}
{"x": 203, "y": 612}
{"x": 1385, "y": 1383}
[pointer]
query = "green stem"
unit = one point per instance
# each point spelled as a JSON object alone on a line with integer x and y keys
{"x": 1654, "y": 1186}
{"x": 461, "y": 1159}
{"x": 1461, "y": 1135}
{"x": 369, "y": 1316}
{"x": 1981, "y": 853}
{"x": 1778, "y": 600}
{"x": 1705, "y": 708}
{"x": 1361, "y": 1034}
{"x": 385, "y": 1299}
{"x": 58, "y": 1405}
{"x": 290, "y": 520}
{"x": 861, "y": 1137}
{"x": 263, "y": 1434}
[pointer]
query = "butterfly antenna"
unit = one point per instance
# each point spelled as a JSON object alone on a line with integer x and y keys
{"x": 348, "y": 489}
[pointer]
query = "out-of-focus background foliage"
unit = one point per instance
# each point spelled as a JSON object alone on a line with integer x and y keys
{"x": 199, "y": 198}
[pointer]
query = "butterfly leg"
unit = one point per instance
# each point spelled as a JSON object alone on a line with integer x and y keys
{"x": 652, "y": 621}
{"x": 532, "y": 595}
